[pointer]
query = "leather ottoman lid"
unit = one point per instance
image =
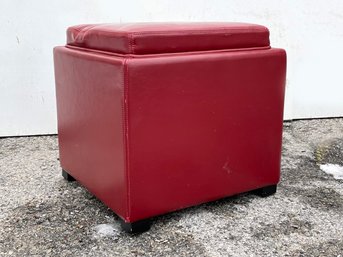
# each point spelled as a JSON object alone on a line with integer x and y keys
{"x": 155, "y": 38}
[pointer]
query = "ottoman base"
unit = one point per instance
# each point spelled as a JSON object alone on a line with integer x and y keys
{"x": 136, "y": 227}
{"x": 265, "y": 191}
{"x": 67, "y": 176}
{"x": 144, "y": 225}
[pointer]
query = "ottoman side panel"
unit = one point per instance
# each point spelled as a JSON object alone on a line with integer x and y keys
{"x": 89, "y": 91}
{"x": 203, "y": 126}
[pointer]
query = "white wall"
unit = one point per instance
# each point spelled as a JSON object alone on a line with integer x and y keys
{"x": 310, "y": 31}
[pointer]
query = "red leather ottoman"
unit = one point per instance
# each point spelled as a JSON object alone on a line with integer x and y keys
{"x": 156, "y": 117}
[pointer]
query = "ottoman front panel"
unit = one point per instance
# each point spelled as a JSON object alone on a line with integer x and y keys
{"x": 89, "y": 90}
{"x": 202, "y": 126}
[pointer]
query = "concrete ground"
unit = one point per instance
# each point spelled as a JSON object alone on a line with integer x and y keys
{"x": 43, "y": 215}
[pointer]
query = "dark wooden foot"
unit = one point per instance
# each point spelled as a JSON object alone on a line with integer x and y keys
{"x": 266, "y": 191}
{"x": 66, "y": 176}
{"x": 136, "y": 227}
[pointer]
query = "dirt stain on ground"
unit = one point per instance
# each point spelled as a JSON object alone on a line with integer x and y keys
{"x": 330, "y": 151}
{"x": 63, "y": 226}
{"x": 327, "y": 248}
{"x": 288, "y": 225}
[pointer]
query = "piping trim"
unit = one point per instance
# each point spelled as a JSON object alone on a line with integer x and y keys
{"x": 126, "y": 139}
{"x": 167, "y": 54}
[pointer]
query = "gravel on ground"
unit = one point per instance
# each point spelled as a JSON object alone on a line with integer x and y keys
{"x": 41, "y": 214}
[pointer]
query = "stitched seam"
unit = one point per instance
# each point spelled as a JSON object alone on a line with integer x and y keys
{"x": 133, "y": 44}
{"x": 214, "y": 31}
{"x": 135, "y": 35}
{"x": 177, "y": 32}
{"x": 126, "y": 139}
{"x": 91, "y": 50}
{"x": 132, "y": 36}
{"x": 117, "y": 33}
{"x": 130, "y": 43}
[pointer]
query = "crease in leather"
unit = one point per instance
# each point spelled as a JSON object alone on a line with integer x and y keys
{"x": 83, "y": 33}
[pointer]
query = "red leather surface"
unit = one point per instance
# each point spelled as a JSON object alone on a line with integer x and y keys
{"x": 89, "y": 91}
{"x": 152, "y": 38}
{"x": 202, "y": 127}
{"x": 157, "y": 133}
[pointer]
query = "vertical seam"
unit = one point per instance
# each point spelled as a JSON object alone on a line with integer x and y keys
{"x": 133, "y": 43}
{"x": 131, "y": 38}
{"x": 126, "y": 138}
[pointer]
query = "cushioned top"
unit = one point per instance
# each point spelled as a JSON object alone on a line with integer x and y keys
{"x": 153, "y": 38}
